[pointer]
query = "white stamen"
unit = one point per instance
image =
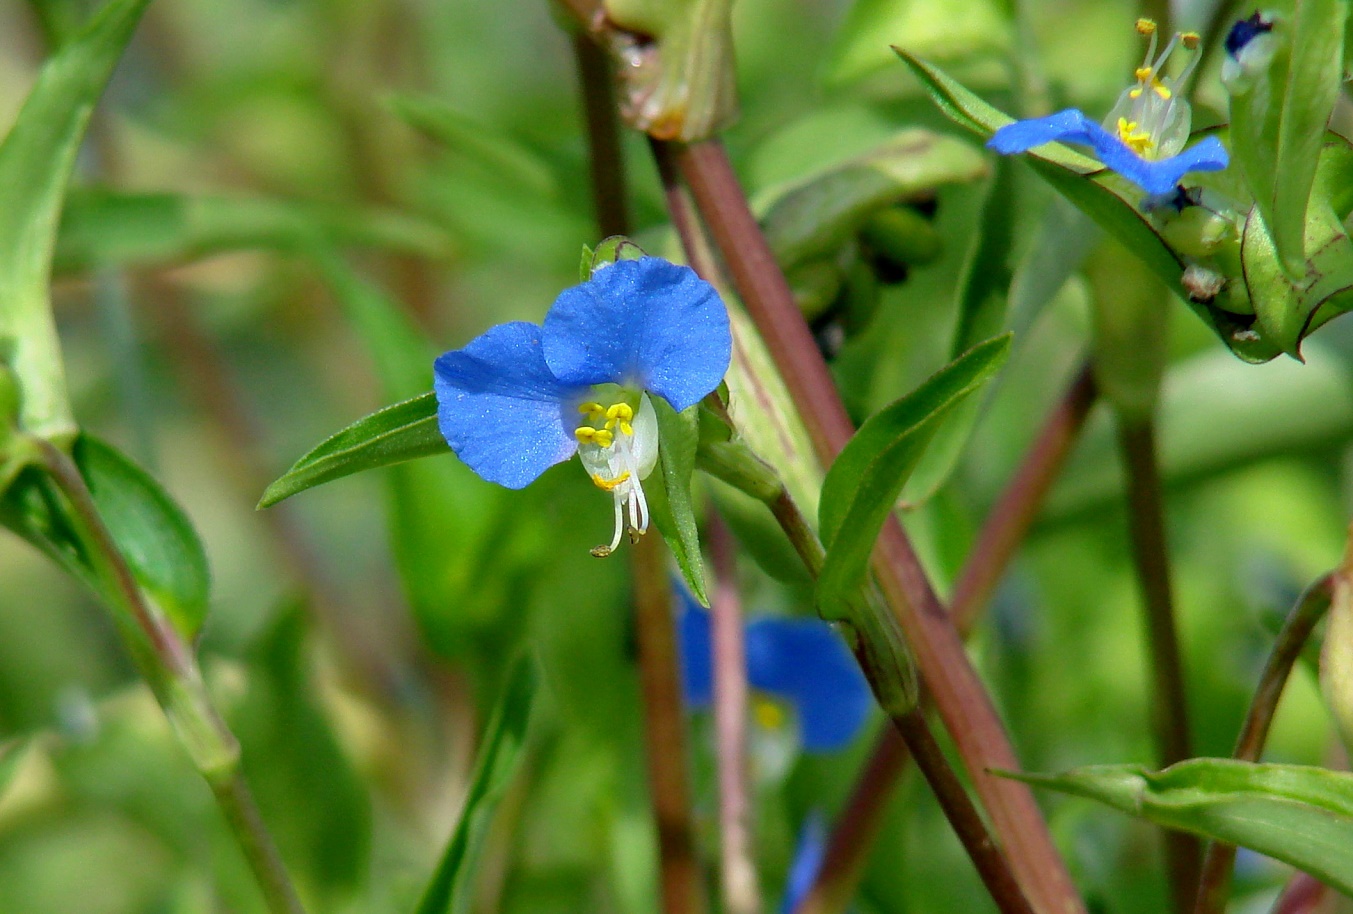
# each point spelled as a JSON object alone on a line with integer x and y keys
{"x": 620, "y": 466}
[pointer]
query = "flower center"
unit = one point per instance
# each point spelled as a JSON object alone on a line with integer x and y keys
{"x": 1150, "y": 117}
{"x": 617, "y": 444}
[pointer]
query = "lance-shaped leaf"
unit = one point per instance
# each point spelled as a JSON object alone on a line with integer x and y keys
{"x": 1300, "y": 815}
{"x": 981, "y": 306}
{"x": 1103, "y": 196}
{"x": 499, "y": 755}
{"x": 150, "y": 529}
{"x": 1278, "y": 122}
{"x": 36, "y": 159}
{"x": 403, "y": 431}
{"x": 867, "y": 476}
{"x": 949, "y": 30}
{"x": 815, "y": 218}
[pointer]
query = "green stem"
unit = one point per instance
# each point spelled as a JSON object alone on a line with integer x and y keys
{"x": 664, "y": 727}
{"x": 1214, "y": 885}
{"x": 1146, "y": 523}
{"x": 168, "y": 666}
{"x": 962, "y": 700}
{"x": 875, "y": 657}
{"x": 1005, "y": 527}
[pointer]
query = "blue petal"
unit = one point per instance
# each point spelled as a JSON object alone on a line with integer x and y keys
{"x": 807, "y": 663}
{"x": 1066, "y": 126}
{"x": 1162, "y": 175}
{"x": 696, "y": 649}
{"x": 501, "y": 409}
{"x": 641, "y": 322}
{"x": 1071, "y": 126}
{"x": 809, "y": 853}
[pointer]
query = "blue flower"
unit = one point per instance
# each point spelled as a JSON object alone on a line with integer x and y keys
{"x": 1143, "y": 136}
{"x": 799, "y": 661}
{"x": 521, "y": 398}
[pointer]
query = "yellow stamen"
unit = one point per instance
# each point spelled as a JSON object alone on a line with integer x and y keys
{"x": 768, "y": 714}
{"x": 1189, "y": 39}
{"x": 604, "y": 437}
{"x": 620, "y": 411}
{"x": 1146, "y": 26}
{"x": 1143, "y": 73}
{"x": 607, "y": 485}
{"x": 1162, "y": 91}
{"x": 585, "y": 433}
{"x": 1139, "y": 141}
{"x": 589, "y": 407}
{"x": 626, "y": 427}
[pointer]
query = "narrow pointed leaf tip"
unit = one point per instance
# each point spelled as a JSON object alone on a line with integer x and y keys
{"x": 1300, "y": 815}
{"x": 869, "y": 473}
{"x": 507, "y": 402}
{"x": 1155, "y": 176}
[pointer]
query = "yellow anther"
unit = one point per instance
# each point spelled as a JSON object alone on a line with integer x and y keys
{"x": 585, "y": 433}
{"x": 620, "y": 411}
{"x": 1139, "y": 141}
{"x": 1162, "y": 90}
{"x": 1189, "y": 40}
{"x": 607, "y": 485}
{"x": 604, "y": 437}
{"x": 1146, "y": 26}
{"x": 1143, "y": 73}
{"x": 626, "y": 427}
{"x": 589, "y": 408}
{"x": 768, "y": 714}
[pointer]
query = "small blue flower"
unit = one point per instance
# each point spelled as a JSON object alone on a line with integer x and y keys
{"x": 521, "y": 398}
{"x": 1143, "y": 136}
{"x": 800, "y": 661}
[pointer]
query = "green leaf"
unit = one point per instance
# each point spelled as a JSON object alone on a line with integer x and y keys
{"x": 36, "y": 159}
{"x": 982, "y": 304}
{"x": 290, "y": 750}
{"x": 939, "y": 29}
{"x": 864, "y": 481}
{"x": 499, "y": 755}
{"x": 813, "y": 219}
{"x": 1278, "y": 123}
{"x": 403, "y": 431}
{"x": 150, "y": 529}
{"x": 1300, "y": 815}
{"x": 670, "y": 500}
{"x": 102, "y": 227}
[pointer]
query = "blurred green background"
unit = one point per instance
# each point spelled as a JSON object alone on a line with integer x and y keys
{"x": 286, "y": 207}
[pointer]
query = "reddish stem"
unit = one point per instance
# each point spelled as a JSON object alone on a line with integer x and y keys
{"x": 960, "y": 697}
